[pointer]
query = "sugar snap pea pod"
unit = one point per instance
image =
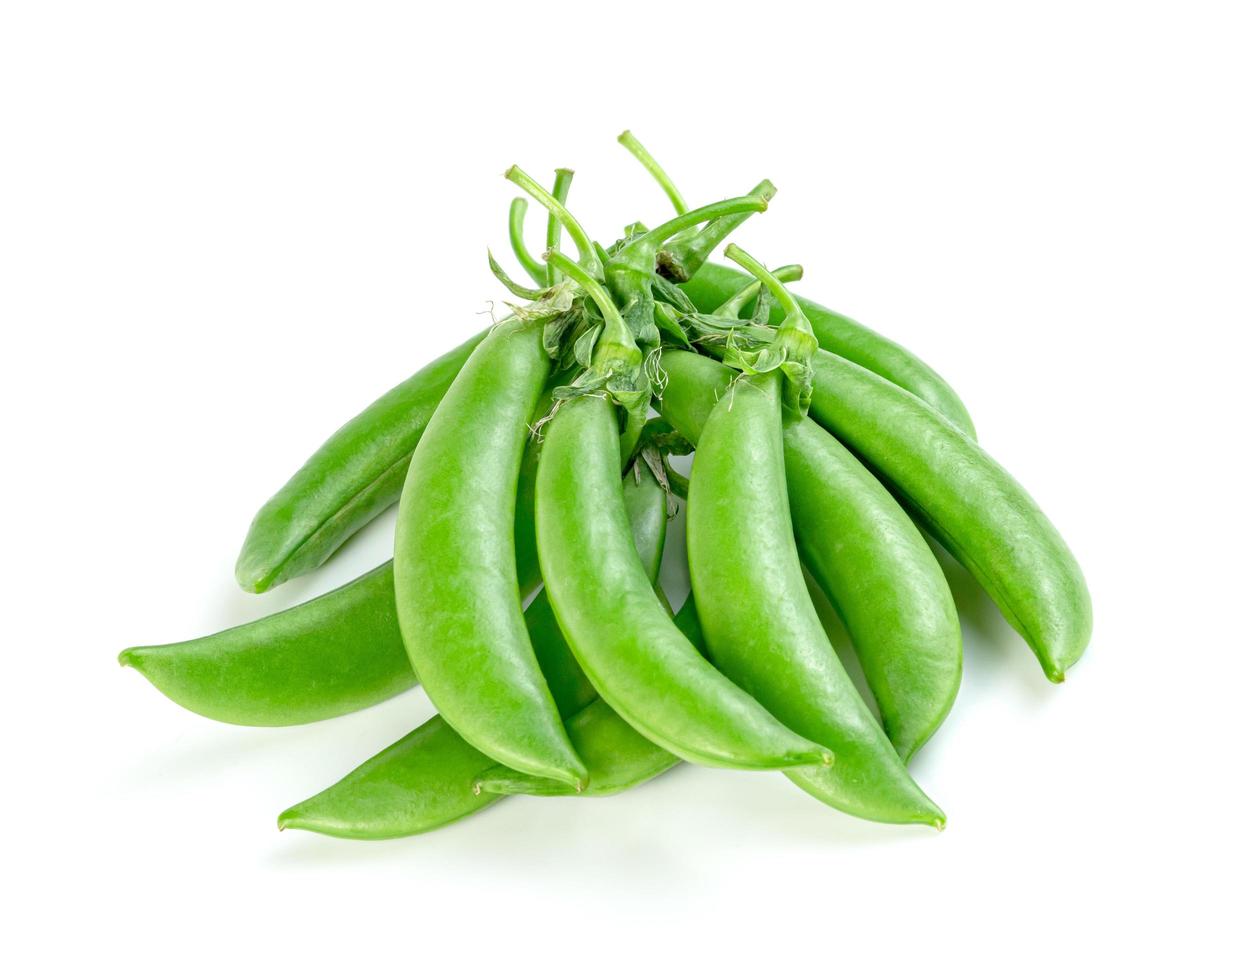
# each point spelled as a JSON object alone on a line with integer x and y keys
{"x": 334, "y": 654}
{"x": 969, "y": 502}
{"x": 351, "y": 479}
{"x": 617, "y": 755}
{"x": 862, "y": 550}
{"x": 641, "y": 665}
{"x": 455, "y": 578}
{"x": 759, "y": 621}
{"x": 714, "y": 284}
{"x": 425, "y": 780}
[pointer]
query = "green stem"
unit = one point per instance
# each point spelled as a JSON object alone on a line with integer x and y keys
{"x": 554, "y": 227}
{"x": 521, "y": 291}
{"x": 733, "y": 306}
{"x": 792, "y": 311}
{"x": 738, "y": 208}
{"x": 593, "y": 289}
{"x": 584, "y": 245}
{"x": 519, "y": 208}
{"x": 683, "y": 256}
{"x": 633, "y": 146}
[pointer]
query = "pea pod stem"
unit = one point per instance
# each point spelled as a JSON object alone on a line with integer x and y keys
{"x": 847, "y": 338}
{"x": 794, "y": 342}
{"x": 554, "y": 227}
{"x": 733, "y": 305}
{"x": 685, "y": 254}
{"x": 633, "y": 146}
{"x": 587, "y": 254}
{"x": 515, "y": 228}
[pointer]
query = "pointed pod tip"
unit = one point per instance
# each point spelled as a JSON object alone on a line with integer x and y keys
{"x": 128, "y": 657}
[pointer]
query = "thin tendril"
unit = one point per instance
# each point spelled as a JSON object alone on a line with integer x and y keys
{"x": 733, "y": 306}
{"x": 584, "y": 245}
{"x": 554, "y": 227}
{"x": 633, "y": 146}
{"x": 519, "y": 208}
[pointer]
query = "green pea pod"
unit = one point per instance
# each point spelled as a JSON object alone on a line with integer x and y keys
{"x": 617, "y": 755}
{"x": 616, "y": 625}
{"x": 329, "y": 656}
{"x": 714, "y": 284}
{"x": 348, "y": 481}
{"x": 759, "y": 621}
{"x": 862, "y": 550}
{"x": 334, "y": 654}
{"x": 455, "y": 578}
{"x": 359, "y": 470}
{"x": 969, "y": 502}
{"x": 425, "y": 780}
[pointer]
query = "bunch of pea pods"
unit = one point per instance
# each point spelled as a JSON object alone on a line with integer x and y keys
{"x": 536, "y": 460}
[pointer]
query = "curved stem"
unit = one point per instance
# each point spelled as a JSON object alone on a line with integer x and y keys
{"x": 593, "y": 289}
{"x": 584, "y": 245}
{"x": 633, "y": 146}
{"x": 730, "y": 208}
{"x": 688, "y": 253}
{"x": 501, "y": 275}
{"x": 554, "y": 227}
{"x": 755, "y": 268}
{"x": 733, "y": 306}
{"x": 515, "y": 227}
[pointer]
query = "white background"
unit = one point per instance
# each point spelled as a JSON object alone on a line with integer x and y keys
{"x": 226, "y": 227}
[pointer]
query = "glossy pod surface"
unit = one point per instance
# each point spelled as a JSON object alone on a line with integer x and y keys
{"x": 352, "y": 478}
{"x": 715, "y": 284}
{"x": 425, "y": 780}
{"x": 332, "y": 655}
{"x": 329, "y": 656}
{"x": 862, "y": 550}
{"x": 968, "y": 500}
{"x": 455, "y": 578}
{"x": 759, "y": 621}
{"x": 617, "y": 627}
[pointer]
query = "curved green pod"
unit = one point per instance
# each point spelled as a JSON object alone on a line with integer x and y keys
{"x": 348, "y": 481}
{"x": 863, "y": 551}
{"x": 759, "y": 622}
{"x": 616, "y": 625}
{"x": 329, "y": 656}
{"x": 617, "y": 755}
{"x": 970, "y": 503}
{"x": 714, "y": 284}
{"x": 455, "y": 579}
{"x": 334, "y": 654}
{"x": 426, "y": 779}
